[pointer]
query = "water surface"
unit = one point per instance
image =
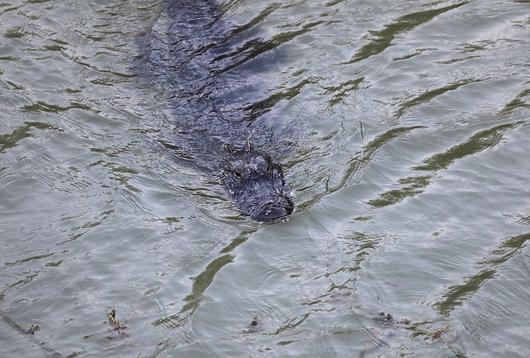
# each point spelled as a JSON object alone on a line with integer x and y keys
{"x": 408, "y": 159}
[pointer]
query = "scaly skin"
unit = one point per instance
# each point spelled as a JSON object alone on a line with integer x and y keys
{"x": 190, "y": 53}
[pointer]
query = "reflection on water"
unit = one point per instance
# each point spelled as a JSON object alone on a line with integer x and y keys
{"x": 478, "y": 142}
{"x": 404, "y": 130}
{"x": 383, "y": 39}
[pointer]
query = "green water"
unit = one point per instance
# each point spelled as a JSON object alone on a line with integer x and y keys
{"x": 409, "y": 169}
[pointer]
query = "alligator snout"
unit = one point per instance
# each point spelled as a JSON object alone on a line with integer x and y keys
{"x": 255, "y": 184}
{"x": 279, "y": 208}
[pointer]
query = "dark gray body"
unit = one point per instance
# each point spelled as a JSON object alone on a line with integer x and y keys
{"x": 211, "y": 73}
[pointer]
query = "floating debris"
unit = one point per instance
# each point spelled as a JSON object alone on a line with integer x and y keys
{"x": 115, "y": 323}
{"x": 34, "y": 328}
{"x": 387, "y": 317}
{"x": 253, "y": 326}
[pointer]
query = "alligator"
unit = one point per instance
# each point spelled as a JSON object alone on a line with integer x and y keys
{"x": 192, "y": 52}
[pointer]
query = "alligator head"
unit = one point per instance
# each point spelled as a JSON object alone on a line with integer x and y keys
{"x": 255, "y": 184}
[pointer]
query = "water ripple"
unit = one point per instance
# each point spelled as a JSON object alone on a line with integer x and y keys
{"x": 456, "y": 295}
{"x": 382, "y": 39}
{"x": 477, "y": 143}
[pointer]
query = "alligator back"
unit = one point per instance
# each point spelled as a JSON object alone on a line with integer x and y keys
{"x": 195, "y": 55}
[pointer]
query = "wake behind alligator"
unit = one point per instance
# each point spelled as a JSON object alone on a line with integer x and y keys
{"x": 214, "y": 96}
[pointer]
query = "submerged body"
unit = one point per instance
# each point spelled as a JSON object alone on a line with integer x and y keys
{"x": 194, "y": 54}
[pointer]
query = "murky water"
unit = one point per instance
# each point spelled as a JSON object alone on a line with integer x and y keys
{"x": 408, "y": 160}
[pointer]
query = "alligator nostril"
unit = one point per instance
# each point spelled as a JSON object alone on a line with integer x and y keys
{"x": 274, "y": 210}
{"x": 272, "y": 213}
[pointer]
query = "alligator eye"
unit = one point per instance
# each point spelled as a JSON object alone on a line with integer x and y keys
{"x": 238, "y": 175}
